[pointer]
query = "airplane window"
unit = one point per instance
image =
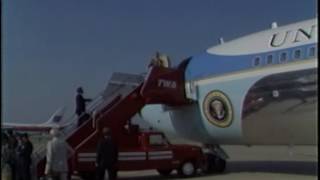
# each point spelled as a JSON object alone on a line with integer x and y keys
{"x": 297, "y": 54}
{"x": 312, "y": 52}
{"x": 283, "y": 57}
{"x": 270, "y": 59}
{"x": 256, "y": 61}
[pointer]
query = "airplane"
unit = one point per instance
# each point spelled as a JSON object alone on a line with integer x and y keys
{"x": 259, "y": 89}
{"x": 53, "y": 122}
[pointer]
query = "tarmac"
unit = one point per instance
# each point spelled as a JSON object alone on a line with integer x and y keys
{"x": 256, "y": 162}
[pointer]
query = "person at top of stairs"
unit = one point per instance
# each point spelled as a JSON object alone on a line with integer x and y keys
{"x": 81, "y": 106}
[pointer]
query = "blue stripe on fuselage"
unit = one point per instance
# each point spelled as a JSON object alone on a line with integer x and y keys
{"x": 204, "y": 65}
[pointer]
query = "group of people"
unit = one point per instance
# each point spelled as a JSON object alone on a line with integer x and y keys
{"x": 16, "y": 153}
{"x": 17, "y": 149}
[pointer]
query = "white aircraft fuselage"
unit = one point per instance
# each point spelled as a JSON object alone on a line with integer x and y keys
{"x": 259, "y": 89}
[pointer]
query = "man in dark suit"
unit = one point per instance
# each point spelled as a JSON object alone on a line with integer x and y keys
{"x": 81, "y": 106}
{"x": 25, "y": 157}
{"x": 12, "y": 145}
{"x": 107, "y": 156}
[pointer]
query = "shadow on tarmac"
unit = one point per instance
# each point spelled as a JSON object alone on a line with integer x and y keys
{"x": 285, "y": 167}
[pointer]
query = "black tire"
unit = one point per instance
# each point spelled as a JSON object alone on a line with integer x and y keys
{"x": 214, "y": 164}
{"x": 114, "y": 174}
{"x": 209, "y": 165}
{"x": 187, "y": 169}
{"x": 164, "y": 172}
{"x": 220, "y": 165}
{"x": 87, "y": 175}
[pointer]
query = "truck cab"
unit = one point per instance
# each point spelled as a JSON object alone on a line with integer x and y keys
{"x": 154, "y": 151}
{"x": 150, "y": 150}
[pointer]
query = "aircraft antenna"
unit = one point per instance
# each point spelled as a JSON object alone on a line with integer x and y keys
{"x": 274, "y": 25}
{"x": 221, "y": 41}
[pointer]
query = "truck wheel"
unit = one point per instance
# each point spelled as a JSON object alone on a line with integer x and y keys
{"x": 214, "y": 164}
{"x": 87, "y": 175}
{"x": 164, "y": 172}
{"x": 220, "y": 165}
{"x": 114, "y": 174}
{"x": 187, "y": 169}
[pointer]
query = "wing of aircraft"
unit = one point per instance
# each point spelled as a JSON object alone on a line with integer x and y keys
{"x": 53, "y": 122}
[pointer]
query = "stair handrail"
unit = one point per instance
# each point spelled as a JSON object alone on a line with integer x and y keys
{"x": 98, "y": 101}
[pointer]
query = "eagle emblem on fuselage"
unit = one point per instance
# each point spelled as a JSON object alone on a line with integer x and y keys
{"x": 217, "y": 109}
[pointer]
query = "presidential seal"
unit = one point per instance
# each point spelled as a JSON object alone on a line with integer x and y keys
{"x": 217, "y": 109}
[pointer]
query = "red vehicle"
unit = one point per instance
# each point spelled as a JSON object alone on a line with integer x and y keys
{"x": 151, "y": 151}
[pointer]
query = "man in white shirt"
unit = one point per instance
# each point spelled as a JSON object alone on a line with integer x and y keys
{"x": 57, "y": 157}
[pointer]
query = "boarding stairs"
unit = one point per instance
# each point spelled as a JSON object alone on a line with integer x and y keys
{"x": 119, "y": 87}
{"x": 124, "y": 96}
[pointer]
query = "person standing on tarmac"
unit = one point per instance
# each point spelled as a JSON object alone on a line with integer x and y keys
{"x": 24, "y": 155}
{"x": 57, "y": 157}
{"x": 5, "y": 158}
{"x": 81, "y": 106}
{"x": 18, "y": 159}
{"x": 107, "y": 156}
{"x": 12, "y": 145}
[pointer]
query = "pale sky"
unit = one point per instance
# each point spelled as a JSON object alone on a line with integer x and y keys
{"x": 52, "y": 47}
